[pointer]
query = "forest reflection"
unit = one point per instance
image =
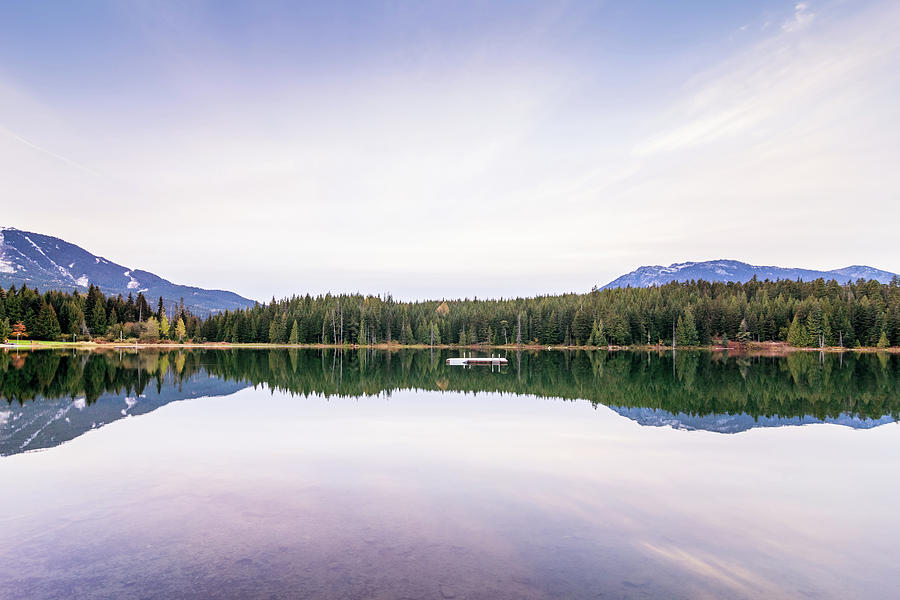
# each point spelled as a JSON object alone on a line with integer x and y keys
{"x": 694, "y": 383}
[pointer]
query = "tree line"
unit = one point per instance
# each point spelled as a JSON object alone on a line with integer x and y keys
{"x": 75, "y": 316}
{"x": 697, "y": 313}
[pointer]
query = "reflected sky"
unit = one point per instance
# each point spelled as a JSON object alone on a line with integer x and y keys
{"x": 428, "y": 494}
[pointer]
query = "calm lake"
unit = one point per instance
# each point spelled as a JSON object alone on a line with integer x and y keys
{"x": 371, "y": 474}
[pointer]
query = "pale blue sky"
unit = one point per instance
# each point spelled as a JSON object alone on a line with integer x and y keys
{"x": 453, "y": 148}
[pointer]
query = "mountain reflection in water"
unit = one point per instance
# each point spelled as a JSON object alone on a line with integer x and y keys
{"x": 54, "y": 396}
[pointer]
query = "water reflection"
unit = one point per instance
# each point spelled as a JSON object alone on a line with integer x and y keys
{"x": 54, "y": 396}
{"x": 277, "y": 481}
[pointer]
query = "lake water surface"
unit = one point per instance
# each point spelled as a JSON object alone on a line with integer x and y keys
{"x": 322, "y": 474}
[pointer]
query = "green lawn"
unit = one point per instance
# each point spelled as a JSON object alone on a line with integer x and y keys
{"x": 35, "y": 343}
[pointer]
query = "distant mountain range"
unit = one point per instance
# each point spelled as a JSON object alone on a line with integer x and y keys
{"x": 50, "y": 263}
{"x": 733, "y": 270}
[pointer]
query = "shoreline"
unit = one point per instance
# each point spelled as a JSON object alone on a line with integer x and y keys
{"x": 737, "y": 349}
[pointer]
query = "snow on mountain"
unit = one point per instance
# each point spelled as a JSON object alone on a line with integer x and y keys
{"x": 47, "y": 263}
{"x": 733, "y": 270}
{"x": 5, "y": 265}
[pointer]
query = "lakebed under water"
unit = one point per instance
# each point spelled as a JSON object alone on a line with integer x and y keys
{"x": 323, "y": 474}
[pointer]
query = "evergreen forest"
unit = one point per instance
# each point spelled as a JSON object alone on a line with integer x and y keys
{"x": 697, "y": 313}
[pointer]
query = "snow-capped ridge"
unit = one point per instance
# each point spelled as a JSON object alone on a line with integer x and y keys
{"x": 737, "y": 271}
{"x": 37, "y": 260}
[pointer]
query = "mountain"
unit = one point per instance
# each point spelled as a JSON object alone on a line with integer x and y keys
{"x": 49, "y": 263}
{"x": 733, "y": 270}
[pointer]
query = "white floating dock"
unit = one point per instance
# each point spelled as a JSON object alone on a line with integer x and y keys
{"x": 483, "y": 360}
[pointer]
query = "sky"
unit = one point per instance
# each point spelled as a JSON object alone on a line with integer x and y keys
{"x": 451, "y": 149}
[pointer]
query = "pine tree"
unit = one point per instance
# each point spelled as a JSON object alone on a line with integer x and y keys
{"x": 98, "y": 318}
{"x": 90, "y": 303}
{"x": 744, "y": 335}
{"x": 47, "y": 325}
{"x": 815, "y": 327}
{"x": 581, "y": 325}
{"x": 72, "y": 316}
{"x": 284, "y": 330}
{"x": 244, "y": 330}
{"x": 295, "y": 333}
{"x": 273, "y": 332}
{"x": 883, "y": 341}
{"x": 618, "y": 330}
{"x": 406, "y": 334}
{"x": 679, "y": 333}
{"x": 797, "y": 335}
{"x": 143, "y": 308}
{"x": 5, "y": 329}
{"x": 594, "y": 337}
{"x": 686, "y": 329}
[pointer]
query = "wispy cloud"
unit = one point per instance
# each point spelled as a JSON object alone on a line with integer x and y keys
{"x": 801, "y": 18}
{"x": 561, "y": 150}
{"x": 43, "y": 150}
{"x": 777, "y": 82}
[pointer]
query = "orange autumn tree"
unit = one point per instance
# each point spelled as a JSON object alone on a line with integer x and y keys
{"x": 19, "y": 330}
